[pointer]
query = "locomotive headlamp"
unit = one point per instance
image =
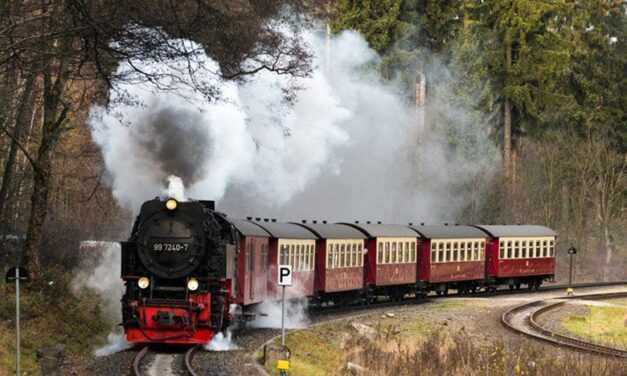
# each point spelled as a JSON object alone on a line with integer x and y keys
{"x": 171, "y": 204}
{"x": 192, "y": 284}
{"x": 143, "y": 283}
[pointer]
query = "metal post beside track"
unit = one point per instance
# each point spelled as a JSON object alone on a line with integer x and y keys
{"x": 572, "y": 251}
{"x": 17, "y": 321}
{"x": 284, "y": 279}
{"x": 283, "y": 317}
{"x": 17, "y": 274}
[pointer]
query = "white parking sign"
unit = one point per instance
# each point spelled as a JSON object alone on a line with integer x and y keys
{"x": 285, "y": 275}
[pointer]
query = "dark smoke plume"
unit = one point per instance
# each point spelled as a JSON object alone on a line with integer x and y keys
{"x": 176, "y": 143}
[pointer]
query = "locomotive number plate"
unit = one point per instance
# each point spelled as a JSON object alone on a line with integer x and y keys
{"x": 170, "y": 247}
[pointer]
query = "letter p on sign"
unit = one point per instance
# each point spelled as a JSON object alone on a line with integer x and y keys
{"x": 285, "y": 275}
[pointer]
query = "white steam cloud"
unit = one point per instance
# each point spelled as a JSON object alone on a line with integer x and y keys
{"x": 349, "y": 147}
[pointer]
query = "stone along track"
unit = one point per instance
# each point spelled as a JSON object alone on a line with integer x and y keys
{"x": 523, "y": 319}
{"x": 164, "y": 363}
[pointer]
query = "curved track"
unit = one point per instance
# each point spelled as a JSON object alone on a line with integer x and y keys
{"x": 524, "y": 319}
{"x": 140, "y": 359}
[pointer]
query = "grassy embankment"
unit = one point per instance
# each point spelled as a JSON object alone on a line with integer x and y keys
{"x": 50, "y": 314}
{"x": 603, "y": 324}
{"x": 420, "y": 345}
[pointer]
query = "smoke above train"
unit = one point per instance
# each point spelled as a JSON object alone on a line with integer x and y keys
{"x": 348, "y": 146}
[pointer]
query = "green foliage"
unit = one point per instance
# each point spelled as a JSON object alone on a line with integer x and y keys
{"x": 375, "y": 19}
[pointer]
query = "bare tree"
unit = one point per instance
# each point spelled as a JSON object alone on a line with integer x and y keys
{"x": 76, "y": 46}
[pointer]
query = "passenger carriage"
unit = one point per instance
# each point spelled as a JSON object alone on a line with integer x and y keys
{"x": 451, "y": 257}
{"x": 339, "y": 275}
{"x": 251, "y": 282}
{"x": 390, "y": 265}
{"x": 291, "y": 244}
{"x": 520, "y": 254}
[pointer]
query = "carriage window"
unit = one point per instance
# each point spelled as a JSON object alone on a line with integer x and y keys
{"x": 448, "y": 252}
{"x": 331, "y": 256}
{"x": 354, "y": 255}
{"x": 386, "y": 259}
{"x": 312, "y": 260}
{"x": 380, "y": 254}
{"x": 342, "y": 256}
{"x": 412, "y": 251}
{"x": 309, "y": 253}
{"x": 516, "y": 249}
{"x": 551, "y": 248}
{"x": 405, "y": 247}
{"x": 538, "y": 248}
{"x": 393, "y": 253}
{"x": 434, "y": 252}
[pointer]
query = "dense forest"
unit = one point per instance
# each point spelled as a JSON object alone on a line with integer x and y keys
{"x": 546, "y": 80}
{"x": 547, "y": 77}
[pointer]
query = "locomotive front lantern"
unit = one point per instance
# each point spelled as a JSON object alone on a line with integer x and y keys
{"x": 192, "y": 284}
{"x": 143, "y": 283}
{"x": 171, "y": 204}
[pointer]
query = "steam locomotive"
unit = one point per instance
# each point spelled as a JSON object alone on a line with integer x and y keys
{"x": 190, "y": 271}
{"x": 177, "y": 273}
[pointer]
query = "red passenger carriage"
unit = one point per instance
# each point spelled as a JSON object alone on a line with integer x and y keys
{"x": 390, "y": 260}
{"x": 451, "y": 257}
{"x": 291, "y": 244}
{"x": 520, "y": 255}
{"x": 339, "y": 261}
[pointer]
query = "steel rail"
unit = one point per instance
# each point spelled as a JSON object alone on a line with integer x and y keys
{"x": 138, "y": 360}
{"x": 529, "y": 324}
{"x": 189, "y": 358}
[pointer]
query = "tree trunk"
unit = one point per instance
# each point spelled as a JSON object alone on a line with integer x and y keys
{"x": 507, "y": 124}
{"x": 54, "y": 116}
{"x": 20, "y": 120}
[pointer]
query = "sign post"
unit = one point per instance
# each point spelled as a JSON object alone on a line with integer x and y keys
{"x": 16, "y": 274}
{"x": 284, "y": 280}
{"x": 572, "y": 251}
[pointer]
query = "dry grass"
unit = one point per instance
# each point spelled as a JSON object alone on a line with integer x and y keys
{"x": 606, "y": 325}
{"x": 440, "y": 354}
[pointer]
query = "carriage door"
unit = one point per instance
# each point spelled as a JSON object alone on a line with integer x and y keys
{"x": 250, "y": 269}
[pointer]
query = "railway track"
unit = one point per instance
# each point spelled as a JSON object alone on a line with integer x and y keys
{"x": 139, "y": 363}
{"x": 523, "y": 319}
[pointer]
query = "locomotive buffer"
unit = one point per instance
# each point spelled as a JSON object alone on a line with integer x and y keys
{"x": 284, "y": 279}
